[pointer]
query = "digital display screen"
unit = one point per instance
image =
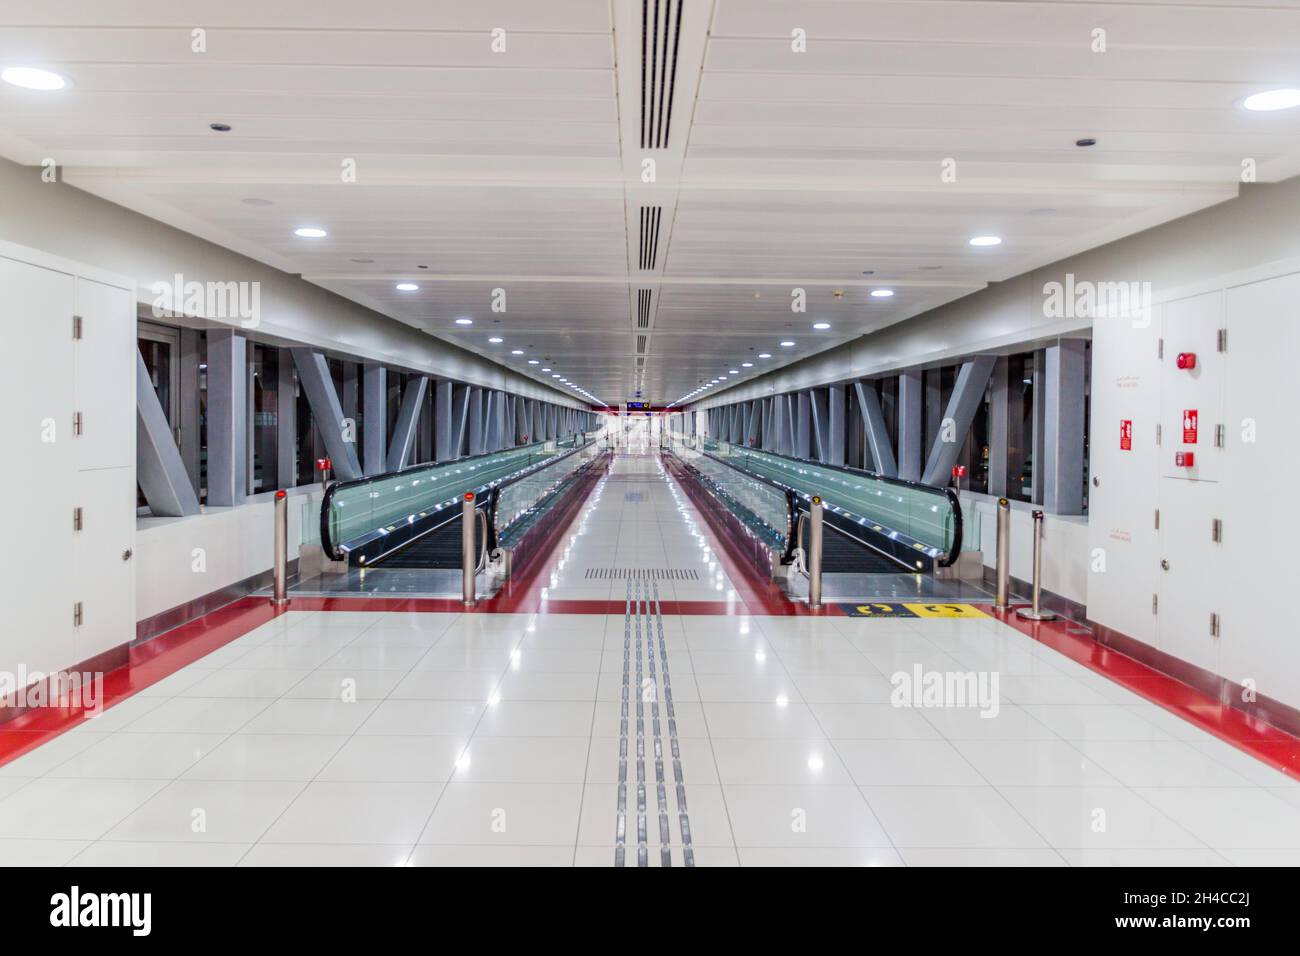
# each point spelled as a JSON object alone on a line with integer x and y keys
{"x": 637, "y": 406}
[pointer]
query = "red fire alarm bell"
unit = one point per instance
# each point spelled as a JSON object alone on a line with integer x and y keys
{"x": 1187, "y": 360}
{"x": 1184, "y": 459}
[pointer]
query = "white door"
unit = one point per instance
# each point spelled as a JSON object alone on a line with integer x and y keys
{"x": 104, "y": 564}
{"x": 105, "y": 376}
{"x": 1192, "y": 397}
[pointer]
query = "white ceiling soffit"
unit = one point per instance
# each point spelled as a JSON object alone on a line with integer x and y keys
{"x": 502, "y": 146}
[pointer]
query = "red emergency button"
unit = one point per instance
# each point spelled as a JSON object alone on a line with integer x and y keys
{"x": 1186, "y": 360}
{"x": 1184, "y": 459}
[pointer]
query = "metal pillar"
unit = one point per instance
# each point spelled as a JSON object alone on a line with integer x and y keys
{"x": 815, "y": 517}
{"x": 280, "y": 553}
{"x": 820, "y": 423}
{"x": 444, "y": 424}
{"x": 374, "y": 411}
{"x": 159, "y": 468}
{"x": 408, "y": 414}
{"x": 227, "y": 417}
{"x": 967, "y": 395}
{"x": 1062, "y": 463}
{"x": 286, "y": 432}
{"x": 877, "y": 430}
{"x": 802, "y": 404}
{"x": 835, "y": 425}
{"x": 998, "y": 420}
{"x": 314, "y": 377}
{"x": 910, "y": 432}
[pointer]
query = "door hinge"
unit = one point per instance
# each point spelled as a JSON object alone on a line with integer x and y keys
{"x": 1155, "y": 604}
{"x": 76, "y": 518}
{"x": 77, "y": 616}
{"x": 1157, "y": 519}
{"x": 1216, "y": 530}
{"x": 1160, "y": 348}
{"x": 76, "y": 327}
{"x": 76, "y": 424}
{"x": 1214, "y": 624}
{"x": 1223, "y": 340}
{"x": 1159, "y": 433}
{"x": 1220, "y": 436}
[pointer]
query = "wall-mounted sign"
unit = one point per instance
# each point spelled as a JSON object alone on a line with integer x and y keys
{"x": 1189, "y": 426}
{"x": 1126, "y": 435}
{"x": 637, "y": 406}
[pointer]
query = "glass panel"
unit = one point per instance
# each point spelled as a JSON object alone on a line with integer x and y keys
{"x": 769, "y": 510}
{"x": 362, "y": 508}
{"x": 518, "y": 498}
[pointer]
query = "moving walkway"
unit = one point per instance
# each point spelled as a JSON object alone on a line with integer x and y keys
{"x": 875, "y": 525}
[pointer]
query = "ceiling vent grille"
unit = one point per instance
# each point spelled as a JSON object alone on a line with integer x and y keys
{"x": 661, "y": 27}
{"x": 650, "y": 219}
{"x": 643, "y": 308}
{"x": 640, "y": 344}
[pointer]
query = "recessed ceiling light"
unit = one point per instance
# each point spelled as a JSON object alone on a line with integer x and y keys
{"x": 31, "y": 78}
{"x": 556, "y": 375}
{"x": 986, "y": 241}
{"x": 219, "y": 127}
{"x": 734, "y": 372}
{"x": 1265, "y": 102}
{"x": 787, "y": 344}
{"x": 464, "y": 321}
{"x": 882, "y": 293}
{"x": 256, "y": 201}
{"x": 764, "y": 354}
{"x": 746, "y": 364}
{"x": 310, "y": 232}
{"x": 821, "y": 326}
{"x": 407, "y": 287}
{"x": 516, "y": 351}
{"x": 534, "y": 362}
{"x": 546, "y": 370}
{"x": 496, "y": 340}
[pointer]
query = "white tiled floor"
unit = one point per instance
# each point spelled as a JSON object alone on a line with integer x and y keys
{"x": 493, "y": 740}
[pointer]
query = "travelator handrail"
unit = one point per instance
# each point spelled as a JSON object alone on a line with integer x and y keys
{"x": 899, "y": 544}
{"x": 379, "y": 542}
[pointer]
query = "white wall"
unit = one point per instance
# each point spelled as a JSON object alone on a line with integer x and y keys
{"x": 47, "y": 377}
{"x": 181, "y": 559}
{"x": 64, "y": 221}
{"x": 1251, "y": 390}
{"x": 1065, "y": 545}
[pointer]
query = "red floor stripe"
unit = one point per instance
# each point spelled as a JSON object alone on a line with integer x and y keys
{"x": 1262, "y": 741}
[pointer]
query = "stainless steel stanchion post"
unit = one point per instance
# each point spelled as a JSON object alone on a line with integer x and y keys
{"x": 1003, "y": 568}
{"x": 469, "y": 547}
{"x": 815, "y": 552}
{"x": 1036, "y": 613}
{"x": 280, "y": 570}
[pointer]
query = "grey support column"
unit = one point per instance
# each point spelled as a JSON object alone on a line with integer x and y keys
{"x": 1065, "y": 390}
{"x": 835, "y": 425}
{"x": 522, "y": 413}
{"x": 286, "y": 431}
{"x": 932, "y": 380}
{"x": 314, "y": 377}
{"x": 349, "y": 395}
{"x": 399, "y": 452}
{"x": 374, "y": 386}
{"x": 538, "y": 431}
{"x": 460, "y": 420}
{"x": 967, "y": 395}
{"x": 227, "y": 418}
{"x": 877, "y": 431}
{"x": 1039, "y": 424}
{"x": 910, "y": 428}
{"x": 802, "y": 425}
{"x": 188, "y": 406}
{"x": 476, "y": 435}
{"x": 998, "y": 418}
{"x": 424, "y": 428}
{"x": 444, "y": 424}
{"x": 820, "y": 429}
{"x": 158, "y": 465}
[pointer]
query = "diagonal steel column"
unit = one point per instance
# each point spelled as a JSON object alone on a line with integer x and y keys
{"x": 158, "y": 465}
{"x": 314, "y": 376}
{"x": 802, "y": 425}
{"x": 460, "y": 419}
{"x": 835, "y": 425}
{"x": 444, "y": 428}
{"x": 408, "y": 415}
{"x": 374, "y": 417}
{"x": 877, "y": 431}
{"x": 475, "y": 420}
{"x": 538, "y": 431}
{"x": 967, "y": 394}
{"x": 820, "y": 424}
